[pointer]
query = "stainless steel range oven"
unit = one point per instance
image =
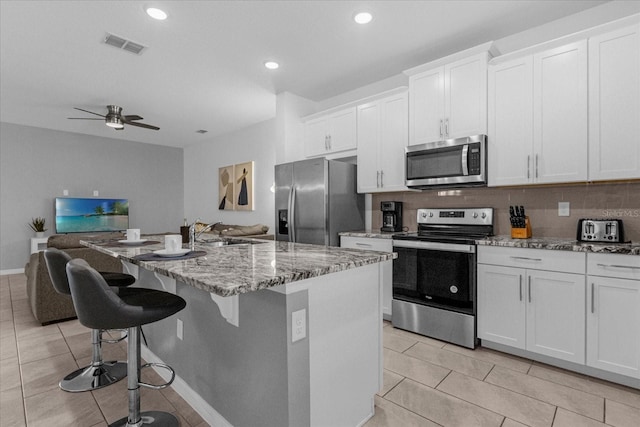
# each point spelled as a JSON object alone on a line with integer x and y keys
{"x": 434, "y": 276}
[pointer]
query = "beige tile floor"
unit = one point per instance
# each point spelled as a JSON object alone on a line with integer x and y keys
{"x": 426, "y": 382}
{"x": 33, "y": 359}
{"x": 430, "y": 383}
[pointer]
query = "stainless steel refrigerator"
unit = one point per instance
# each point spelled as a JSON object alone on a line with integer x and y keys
{"x": 315, "y": 200}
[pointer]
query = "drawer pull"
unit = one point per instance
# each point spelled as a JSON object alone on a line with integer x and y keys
{"x": 618, "y": 266}
{"x": 526, "y": 258}
{"x": 363, "y": 244}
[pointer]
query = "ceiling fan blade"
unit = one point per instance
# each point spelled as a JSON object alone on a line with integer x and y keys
{"x": 131, "y": 117}
{"x": 87, "y": 111}
{"x": 83, "y": 118}
{"x": 143, "y": 125}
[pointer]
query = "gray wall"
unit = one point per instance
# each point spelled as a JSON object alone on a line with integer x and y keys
{"x": 255, "y": 143}
{"x": 36, "y": 165}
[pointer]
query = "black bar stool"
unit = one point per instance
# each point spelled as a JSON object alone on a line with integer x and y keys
{"x": 100, "y": 373}
{"x": 99, "y": 307}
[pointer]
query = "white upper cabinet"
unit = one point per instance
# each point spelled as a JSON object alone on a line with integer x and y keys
{"x": 382, "y": 138}
{"x": 614, "y": 105}
{"x": 331, "y": 133}
{"x": 538, "y": 118}
{"x": 510, "y": 139}
{"x": 449, "y": 101}
{"x": 560, "y": 114}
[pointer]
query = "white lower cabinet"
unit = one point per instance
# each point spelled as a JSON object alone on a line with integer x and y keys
{"x": 524, "y": 303}
{"x": 613, "y": 313}
{"x": 381, "y": 245}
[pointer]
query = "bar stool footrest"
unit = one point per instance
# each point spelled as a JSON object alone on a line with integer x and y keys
{"x": 117, "y": 340}
{"x": 159, "y": 386}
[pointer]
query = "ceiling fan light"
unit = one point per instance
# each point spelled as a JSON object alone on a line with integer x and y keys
{"x": 114, "y": 122}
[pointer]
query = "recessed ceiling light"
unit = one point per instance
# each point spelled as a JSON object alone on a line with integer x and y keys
{"x": 363, "y": 17}
{"x": 272, "y": 65}
{"x": 156, "y": 13}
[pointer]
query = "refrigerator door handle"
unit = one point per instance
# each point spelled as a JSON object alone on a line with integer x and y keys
{"x": 292, "y": 215}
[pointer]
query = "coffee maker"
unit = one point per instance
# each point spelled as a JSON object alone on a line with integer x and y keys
{"x": 391, "y": 216}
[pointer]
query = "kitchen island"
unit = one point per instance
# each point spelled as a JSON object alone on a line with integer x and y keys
{"x": 274, "y": 333}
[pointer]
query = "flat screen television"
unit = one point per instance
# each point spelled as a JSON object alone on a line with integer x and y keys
{"x": 84, "y": 215}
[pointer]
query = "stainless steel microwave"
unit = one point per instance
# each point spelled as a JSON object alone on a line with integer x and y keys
{"x": 460, "y": 162}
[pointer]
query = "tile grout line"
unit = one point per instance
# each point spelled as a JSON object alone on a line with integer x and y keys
{"x": 15, "y": 334}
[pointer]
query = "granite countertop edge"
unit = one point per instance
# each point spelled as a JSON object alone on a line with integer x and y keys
{"x": 562, "y": 244}
{"x": 237, "y": 269}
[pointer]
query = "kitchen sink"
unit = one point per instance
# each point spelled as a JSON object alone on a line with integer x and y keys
{"x": 227, "y": 242}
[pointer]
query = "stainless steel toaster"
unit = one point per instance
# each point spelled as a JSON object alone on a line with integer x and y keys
{"x": 600, "y": 230}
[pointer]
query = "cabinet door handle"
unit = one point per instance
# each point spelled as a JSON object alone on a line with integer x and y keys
{"x": 377, "y": 179}
{"x": 446, "y": 127}
{"x": 536, "y": 166}
{"x": 528, "y": 166}
{"x": 593, "y": 296}
{"x": 326, "y": 143}
{"x": 521, "y": 287}
{"x": 529, "y": 288}
{"x": 618, "y": 266}
{"x": 381, "y": 178}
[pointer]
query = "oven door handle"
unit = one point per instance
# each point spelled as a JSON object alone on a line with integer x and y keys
{"x": 438, "y": 246}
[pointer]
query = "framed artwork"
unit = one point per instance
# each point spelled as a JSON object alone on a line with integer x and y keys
{"x": 226, "y": 196}
{"x": 243, "y": 183}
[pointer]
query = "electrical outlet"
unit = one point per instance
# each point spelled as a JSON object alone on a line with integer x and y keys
{"x": 180, "y": 329}
{"x": 564, "y": 208}
{"x": 298, "y": 325}
{"x": 95, "y": 193}
{"x": 65, "y": 192}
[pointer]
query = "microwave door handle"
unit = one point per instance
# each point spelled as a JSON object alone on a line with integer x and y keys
{"x": 465, "y": 155}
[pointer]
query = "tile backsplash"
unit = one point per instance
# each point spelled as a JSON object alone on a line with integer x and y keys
{"x": 587, "y": 200}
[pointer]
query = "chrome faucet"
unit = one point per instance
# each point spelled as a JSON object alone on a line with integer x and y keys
{"x": 193, "y": 235}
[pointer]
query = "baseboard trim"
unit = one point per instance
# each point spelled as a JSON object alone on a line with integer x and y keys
{"x": 11, "y": 271}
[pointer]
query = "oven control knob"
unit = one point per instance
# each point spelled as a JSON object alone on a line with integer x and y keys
{"x": 475, "y": 215}
{"x": 430, "y": 214}
{"x": 484, "y": 215}
{"x": 423, "y": 215}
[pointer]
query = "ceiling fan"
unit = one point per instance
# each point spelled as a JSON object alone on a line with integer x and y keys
{"x": 114, "y": 118}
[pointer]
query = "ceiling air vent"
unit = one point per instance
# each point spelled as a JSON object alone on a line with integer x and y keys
{"x": 124, "y": 44}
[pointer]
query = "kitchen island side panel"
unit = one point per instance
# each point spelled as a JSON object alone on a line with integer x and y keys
{"x": 250, "y": 374}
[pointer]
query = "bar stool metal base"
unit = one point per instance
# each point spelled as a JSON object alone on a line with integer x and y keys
{"x": 94, "y": 377}
{"x": 152, "y": 418}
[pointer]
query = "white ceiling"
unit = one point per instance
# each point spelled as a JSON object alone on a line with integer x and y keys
{"x": 203, "y": 68}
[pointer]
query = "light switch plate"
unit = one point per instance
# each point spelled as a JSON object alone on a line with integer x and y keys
{"x": 564, "y": 209}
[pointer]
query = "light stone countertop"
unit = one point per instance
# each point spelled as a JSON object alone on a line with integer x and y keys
{"x": 562, "y": 244}
{"x": 235, "y": 269}
{"x": 374, "y": 234}
{"x": 551, "y": 243}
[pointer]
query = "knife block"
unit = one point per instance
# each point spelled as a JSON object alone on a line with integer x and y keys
{"x": 522, "y": 233}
